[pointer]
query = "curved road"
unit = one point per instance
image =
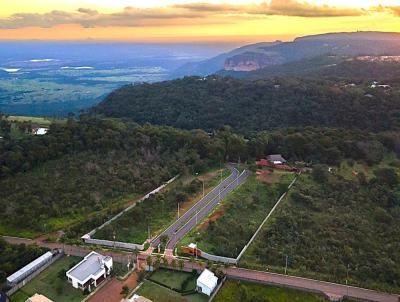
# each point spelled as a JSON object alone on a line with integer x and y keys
{"x": 187, "y": 221}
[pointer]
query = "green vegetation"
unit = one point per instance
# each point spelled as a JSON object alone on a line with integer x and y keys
{"x": 159, "y": 210}
{"x": 233, "y": 291}
{"x": 178, "y": 280}
{"x": 14, "y": 257}
{"x": 158, "y": 293}
{"x": 52, "y": 283}
{"x": 212, "y": 102}
{"x": 228, "y": 229}
{"x": 332, "y": 226}
{"x": 96, "y": 161}
{"x": 157, "y": 213}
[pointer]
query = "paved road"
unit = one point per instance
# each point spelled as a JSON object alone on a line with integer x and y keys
{"x": 177, "y": 232}
{"x": 328, "y": 288}
{"x": 198, "y": 206}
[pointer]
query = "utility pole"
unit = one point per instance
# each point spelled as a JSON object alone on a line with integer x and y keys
{"x": 178, "y": 210}
{"x": 347, "y": 278}
{"x": 196, "y": 215}
{"x": 286, "y": 265}
{"x": 203, "y": 187}
{"x": 114, "y": 238}
{"x": 148, "y": 231}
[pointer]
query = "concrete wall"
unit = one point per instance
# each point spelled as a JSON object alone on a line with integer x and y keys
{"x": 109, "y": 243}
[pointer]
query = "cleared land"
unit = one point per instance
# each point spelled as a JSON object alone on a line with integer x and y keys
{"x": 227, "y": 230}
{"x": 233, "y": 291}
{"x": 158, "y": 211}
{"x": 334, "y": 224}
{"x": 52, "y": 283}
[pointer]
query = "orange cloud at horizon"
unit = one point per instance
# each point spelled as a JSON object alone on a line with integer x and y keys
{"x": 199, "y": 21}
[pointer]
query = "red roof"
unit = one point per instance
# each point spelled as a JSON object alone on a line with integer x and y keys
{"x": 263, "y": 163}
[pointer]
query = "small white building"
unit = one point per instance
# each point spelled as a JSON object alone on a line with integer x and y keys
{"x": 207, "y": 282}
{"x": 40, "y": 131}
{"x": 91, "y": 271}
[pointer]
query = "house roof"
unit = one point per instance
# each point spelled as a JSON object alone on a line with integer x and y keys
{"x": 276, "y": 157}
{"x": 208, "y": 279}
{"x": 39, "y": 298}
{"x": 27, "y": 268}
{"x": 91, "y": 265}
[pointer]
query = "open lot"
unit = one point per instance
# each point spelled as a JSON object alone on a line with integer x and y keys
{"x": 157, "y": 212}
{"x": 233, "y": 291}
{"x": 229, "y": 227}
{"x": 335, "y": 227}
{"x": 52, "y": 283}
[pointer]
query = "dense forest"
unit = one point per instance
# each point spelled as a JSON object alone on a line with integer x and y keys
{"x": 337, "y": 223}
{"x": 87, "y": 165}
{"x": 84, "y": 166}
{"x": 247, "y": 106}
{"x": 14, "y": 257}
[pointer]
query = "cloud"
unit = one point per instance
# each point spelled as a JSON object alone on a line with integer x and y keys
{"x": 276, "y": 7}
{"x": 176, "y": 14}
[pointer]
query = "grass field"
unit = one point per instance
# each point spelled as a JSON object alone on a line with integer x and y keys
{"x": 159, "y": 211}
{"x": 229, "y": 227}
{"x": 233, "y": 291}
{"x": 174, "y": 279}
{"x": 158, "y": 293}
{"x": 51, "y": 284}
{"x": 37, "y": 120}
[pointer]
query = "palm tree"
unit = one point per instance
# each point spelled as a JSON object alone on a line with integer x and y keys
{"x": 181, "y": 264}
{"x": 192, "y": 260}
{"x": 135, "y": 252}
{"x": 165, "y": 261}
{"x": 173, "y": 263}
{"x": 149, "y": 261}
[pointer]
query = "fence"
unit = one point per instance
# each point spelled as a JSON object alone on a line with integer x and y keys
{"x": 33, "y": 275}
{"x": 118, "y": 244}
{"x": 128, "y": 246}
{"x": 236, "y": 260}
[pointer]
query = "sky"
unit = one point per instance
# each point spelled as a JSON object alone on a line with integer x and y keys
{"x": 191, "y": 20}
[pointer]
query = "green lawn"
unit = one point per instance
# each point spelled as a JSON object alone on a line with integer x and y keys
{"x": 229, "y": 227}
{"x": 173, "y": 279}
{"x": 233, "y": 291}
{"x": 51, "y": 284}
{"x": 158, "y": 293}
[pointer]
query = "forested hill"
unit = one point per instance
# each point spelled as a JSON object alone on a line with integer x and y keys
{"x": 246, "y": 106}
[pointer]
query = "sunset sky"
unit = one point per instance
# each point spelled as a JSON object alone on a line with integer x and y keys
{"x": 189, "y": 21}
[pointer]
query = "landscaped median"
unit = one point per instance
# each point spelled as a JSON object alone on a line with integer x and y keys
{"x": 227, "y": 230}
{"x": 159, "y": 210}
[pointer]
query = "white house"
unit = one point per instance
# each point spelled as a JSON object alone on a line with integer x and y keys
{"x": 207, "y": 282}
{"x": 91, "y": 271}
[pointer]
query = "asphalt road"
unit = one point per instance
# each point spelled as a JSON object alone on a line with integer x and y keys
{"x": 182, "y": 226}
{"x": 327, "y": 288}
{"x": 197, "y": 207}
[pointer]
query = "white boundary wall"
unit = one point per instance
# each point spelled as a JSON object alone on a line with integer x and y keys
{"x": 129, "y": 246}
{"x": 236, "y": 260}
